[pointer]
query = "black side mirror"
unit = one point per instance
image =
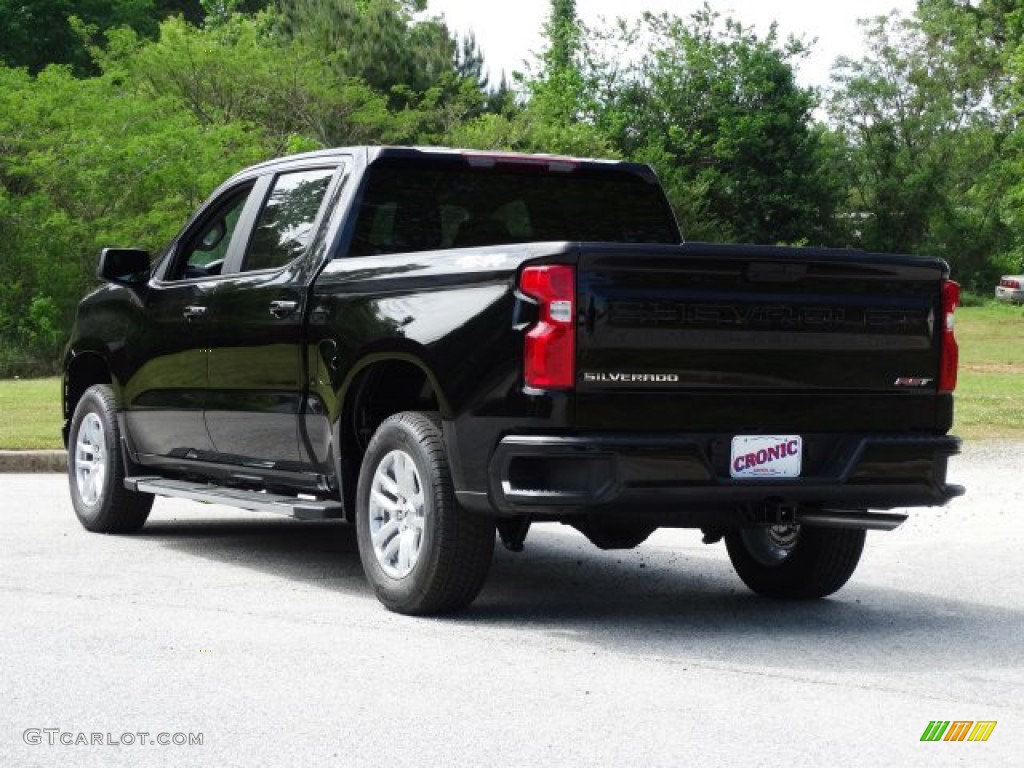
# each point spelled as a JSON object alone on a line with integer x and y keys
{"x": 126, "y": 266}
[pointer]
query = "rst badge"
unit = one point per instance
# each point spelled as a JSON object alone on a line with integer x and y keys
{"x": 766, "y": 456}
{"x": 912, "y": 381}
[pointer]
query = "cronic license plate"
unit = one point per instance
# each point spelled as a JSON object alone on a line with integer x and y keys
{"x": 766, "y": 456}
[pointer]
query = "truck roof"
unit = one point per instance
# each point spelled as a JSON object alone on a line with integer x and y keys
{"x": 475, "y": 157}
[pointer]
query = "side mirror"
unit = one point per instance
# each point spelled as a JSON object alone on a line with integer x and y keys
{"x": 126, "y": 266}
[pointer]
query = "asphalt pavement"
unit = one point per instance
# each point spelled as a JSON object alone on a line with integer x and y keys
{"x": 258, "y": 636}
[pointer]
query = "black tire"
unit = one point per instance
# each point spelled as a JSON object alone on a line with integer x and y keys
{"x": 795, "y": 562}
{"x": 105, "y": 505}
{"x": 453, "y": 547}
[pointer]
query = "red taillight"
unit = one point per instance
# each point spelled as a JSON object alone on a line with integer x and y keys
{"x": 550, "y": 353}
{"x": 1007, "y": 283}
{"x": 950, "y": 355}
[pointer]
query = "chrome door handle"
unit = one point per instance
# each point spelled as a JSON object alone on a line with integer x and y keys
{"x": 280, "y": 309}
{"x": 194, "y": 312}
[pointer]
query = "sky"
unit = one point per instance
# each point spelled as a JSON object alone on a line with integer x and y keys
{"x": 508, "y": 32}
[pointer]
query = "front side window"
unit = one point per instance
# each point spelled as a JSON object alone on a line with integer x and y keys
{"x": 285, "y": 225}
{"x": 205, "y": 249}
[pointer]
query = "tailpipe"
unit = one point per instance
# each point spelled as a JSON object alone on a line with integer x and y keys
{"x": 849, "y": 518}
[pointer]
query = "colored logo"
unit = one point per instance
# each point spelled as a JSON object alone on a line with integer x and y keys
{"x": 766, "y": 456}
{"x": 958, "y": 730}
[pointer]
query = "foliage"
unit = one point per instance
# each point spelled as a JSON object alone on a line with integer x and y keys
{"x": 716, "y": 109}
{"x": 384, "y": 43}
{"x": 238, "y": 72}
{"x": 87, "y": 163}
{"x": 927, "y": 146}
{"x": 37, "y": 33}
{"x": 558, "y": 91}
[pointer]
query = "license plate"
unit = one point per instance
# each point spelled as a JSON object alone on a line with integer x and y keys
{"x": 766, "y": 456}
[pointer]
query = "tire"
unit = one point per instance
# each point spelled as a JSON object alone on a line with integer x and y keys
{"x": 421, "y": 553}
{"x": 795, "y": 562}
{"x": 96, "y": 468}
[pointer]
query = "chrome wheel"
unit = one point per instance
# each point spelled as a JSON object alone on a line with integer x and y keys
{"x": 773, "y": 545}
{"x": 420, "y": 551}
{"x": 90, "y": 459}
{"x": 397, "y": 514}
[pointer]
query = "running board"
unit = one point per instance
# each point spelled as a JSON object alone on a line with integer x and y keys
{"x": 871, "y": 521}
{"x": 256, "y": 501}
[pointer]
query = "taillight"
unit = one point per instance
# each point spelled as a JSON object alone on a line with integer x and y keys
{"x": 550, "y": 352}
{"x": 950, "y": 355}
{"x": 540, "y": 162}
{"x": 1007, "y": 283}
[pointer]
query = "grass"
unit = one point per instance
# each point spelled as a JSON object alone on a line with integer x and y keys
{"x": 30, "y": 414}
{"x": 989, "y": 398}
{"x": 990, "y": 393}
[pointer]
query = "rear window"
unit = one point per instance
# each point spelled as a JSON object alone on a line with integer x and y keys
{"x": 419, "y": 206}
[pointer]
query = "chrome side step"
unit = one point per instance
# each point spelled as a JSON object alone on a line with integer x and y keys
{"x": 257, "y": 501}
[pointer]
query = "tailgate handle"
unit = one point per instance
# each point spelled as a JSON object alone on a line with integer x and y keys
{"x": 768, "y": 272}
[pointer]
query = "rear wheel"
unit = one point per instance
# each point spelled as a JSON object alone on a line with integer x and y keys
{"x": 96, "y": 469}
{"x": 795, "y": 561}
{"x": 421, "y": 552}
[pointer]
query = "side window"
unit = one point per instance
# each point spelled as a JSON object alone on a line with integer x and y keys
{"x": 285, "y": 225}
{"x": 404, "y": 214}
{"x": 205, "y": 249}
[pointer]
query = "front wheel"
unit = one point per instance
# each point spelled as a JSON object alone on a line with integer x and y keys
{"x": 795, "y": 561}
{"x": 96, "y": 470}
{"x": 420, "y": 551}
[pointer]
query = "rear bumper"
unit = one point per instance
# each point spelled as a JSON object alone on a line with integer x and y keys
{"x": 686, "y": 479}
{"x": 1009, "y": 294}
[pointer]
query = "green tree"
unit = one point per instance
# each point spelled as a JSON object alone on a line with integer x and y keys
{"x": 928, "y": 145}
{"x": 555, "y": 118}
{"x": 86, "y": 163}
{"x": 37, "y": 33}
{"x": 982, "y": 41}
{"x": 716, "y": 109}
{"x": 385, "y": 43}
{"x": 559, "y": 88}
{"x": 979, "y": 36}
{"x": 239, "y": 71}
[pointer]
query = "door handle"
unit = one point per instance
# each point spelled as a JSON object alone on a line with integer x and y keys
{"x": 281, "y": 309}
{"x": 194, "y": 312}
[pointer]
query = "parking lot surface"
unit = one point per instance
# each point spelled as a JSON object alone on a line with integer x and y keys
{"x": 260, "y": 635}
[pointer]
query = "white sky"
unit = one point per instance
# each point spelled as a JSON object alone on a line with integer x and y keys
{"x": 508, "y": 32}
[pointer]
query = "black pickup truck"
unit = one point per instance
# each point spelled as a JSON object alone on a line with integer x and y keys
{"x": 437, "y": 344}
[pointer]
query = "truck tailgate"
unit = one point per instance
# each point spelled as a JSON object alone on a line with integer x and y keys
{"x": 712, "y": 337}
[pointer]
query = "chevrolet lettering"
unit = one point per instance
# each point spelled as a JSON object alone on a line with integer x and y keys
{"x": 631, "y": 313}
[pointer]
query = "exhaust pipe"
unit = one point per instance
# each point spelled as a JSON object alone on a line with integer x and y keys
{"x": 846, "y": 518}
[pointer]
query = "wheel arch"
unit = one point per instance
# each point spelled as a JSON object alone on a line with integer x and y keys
{"x": 83, "y": 370}
{"x": 378, "y": 386}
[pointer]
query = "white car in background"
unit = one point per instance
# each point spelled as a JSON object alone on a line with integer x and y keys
{"x": 1011, "y": 288}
